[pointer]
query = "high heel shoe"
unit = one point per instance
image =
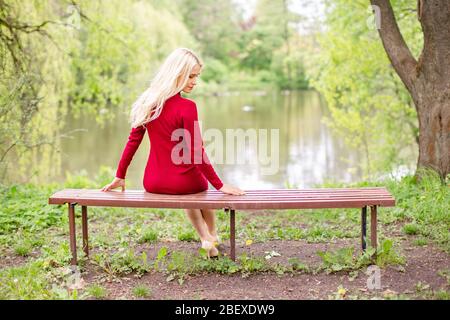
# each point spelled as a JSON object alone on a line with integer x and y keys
{"x": 219, "y": 245}
{"x": 209, "y": 247}
{"x": 218, "y": 241}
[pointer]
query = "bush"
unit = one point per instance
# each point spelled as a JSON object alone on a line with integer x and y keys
{"x": 149, "y": 236}
{"x": 141, "y": 291}
{"x": 187, "y": 236}
{"x": 97, "y": 291}
{"x": 214, "y": 71}
{"x": 411, "y": 229}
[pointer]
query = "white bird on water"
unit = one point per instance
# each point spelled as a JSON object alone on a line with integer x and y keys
{"x": 247, "y": 108}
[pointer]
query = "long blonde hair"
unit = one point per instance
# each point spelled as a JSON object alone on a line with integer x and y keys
{"x": 170, "y": 79}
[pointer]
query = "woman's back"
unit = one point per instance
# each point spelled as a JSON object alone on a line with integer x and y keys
{"x": 177, "y": 163}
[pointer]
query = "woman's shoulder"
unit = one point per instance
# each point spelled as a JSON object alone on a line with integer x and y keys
{"x": 186, "y": 101}
{"x": 187, "y": 105}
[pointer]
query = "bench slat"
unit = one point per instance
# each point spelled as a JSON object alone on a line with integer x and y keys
{"x": 225, "y": 197}
{"x": 236, "y": 205}
{"x": 280, "y": 192}
{"x": 257, "y": 191}
{"x": 213, "y": 199}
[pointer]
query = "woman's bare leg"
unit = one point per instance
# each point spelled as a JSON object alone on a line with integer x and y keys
{"x": 210, "y": 219}
{"x": 197, "y": 220}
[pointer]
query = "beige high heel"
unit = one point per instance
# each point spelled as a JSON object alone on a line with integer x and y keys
{"x": 209, "y": 246}
{"x": 217, "y": 242}
{"x": 219, "y": 245}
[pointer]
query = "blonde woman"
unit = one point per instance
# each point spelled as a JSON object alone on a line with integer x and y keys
{"x": 161, "y": 110}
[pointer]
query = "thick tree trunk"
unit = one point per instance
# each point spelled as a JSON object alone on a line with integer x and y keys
{"x": 427, "y": 80}
{"x": 434, "y": 131}
{"x": 432, "y": 87}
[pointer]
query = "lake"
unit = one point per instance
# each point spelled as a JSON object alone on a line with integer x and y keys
{"x": 306, "y": 153}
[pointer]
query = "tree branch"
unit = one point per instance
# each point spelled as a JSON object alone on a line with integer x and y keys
{"x": 397, "y": 51}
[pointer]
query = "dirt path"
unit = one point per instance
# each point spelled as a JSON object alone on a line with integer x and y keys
{"x": 419, "y": 278}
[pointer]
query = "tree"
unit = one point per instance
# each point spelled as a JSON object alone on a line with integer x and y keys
{"x": 426, "y": 79}
{"x": 368, "y": 107}
{"x": 214, "y": 24}
{"x": 268, "y": 45}
{"x": 77, "y": 56}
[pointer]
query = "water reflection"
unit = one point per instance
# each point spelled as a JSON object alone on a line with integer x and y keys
{"x": 309, "y": 154}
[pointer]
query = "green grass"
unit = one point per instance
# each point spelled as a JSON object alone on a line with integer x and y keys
{"x": 28, "y": 282}
{"x": 149, "y": 236}
{"x": 411, "y": 229}
{"x": 187, "y": 236}
{"x": 31, "y": 228}
{"x": 442, "y": 295}
{"x": 23, "y": 249}
{"x": 427, "y": 203}
{"x": 96, "y": 291}
{"x": 420, "y": 242}
{"x": 141, "y": 291}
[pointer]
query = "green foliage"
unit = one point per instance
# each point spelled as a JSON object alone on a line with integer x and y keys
{"x": 251, "y": 264}
{"x": 344, "y": 259}
{"x": 297, "y": 265}
{"x": 103, "y": 177}
{"x": 247, "y": 54}
{"x": 23, "y": 248}
{"x": 339, "y": 260}
{"x": 386, "y": 255}
{"x": 141, "y": 291}
{"x": 187, "y": 235}
{"x": 123, "y": 262}
{"x": 369, "y": 106}
{"x": 33, "y": 83}
{"x": 214, "y": 71}
{"x": 214, "y": 24}
{"x": 56, "y": 255}
{"x": 442, "y": 295}
{"x": 224, "y": 265}
{"x": 25, "y": 282}
{"x": 179, "y": 266}
{"x": 25, "y": 207}
{"x": 411, "y": 229}
{"x": 81, "y": 57}
{"x": 420, "y": 242}
{"x": 97, "y": 291}
{"x": 121, "y": 30}
{"x": 31, "y": 225}
{"x": 149, "y": 236}
{"x": 160, "y": 258}
{"x": 96, "y": 57}
{"x": 427, "y": 203}
{"x": 78, "y": 180}
{"x": 446, "y": 274}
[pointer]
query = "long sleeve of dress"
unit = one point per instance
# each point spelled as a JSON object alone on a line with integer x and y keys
{"x": 134, "y": 140}
{"x": 197, "y": 152}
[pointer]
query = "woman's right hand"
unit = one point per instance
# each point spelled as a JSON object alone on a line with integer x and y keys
{"x": 116, "y": 183}
{"x": 229, "y": 189}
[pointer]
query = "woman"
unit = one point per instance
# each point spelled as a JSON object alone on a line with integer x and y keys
{"x": 161, "y": 110}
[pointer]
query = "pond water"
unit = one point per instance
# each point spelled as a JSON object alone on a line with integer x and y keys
{"x": 301, "y": 149}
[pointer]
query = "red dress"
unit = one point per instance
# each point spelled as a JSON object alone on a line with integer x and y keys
{"x": 162, "y": 175}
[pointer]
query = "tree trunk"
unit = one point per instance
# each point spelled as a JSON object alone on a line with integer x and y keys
{"x": 427, "y": 80}
{"x": 434, "y": 131}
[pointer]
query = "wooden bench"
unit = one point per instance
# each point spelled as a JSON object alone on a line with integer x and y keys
{"x": 212, "y": 199}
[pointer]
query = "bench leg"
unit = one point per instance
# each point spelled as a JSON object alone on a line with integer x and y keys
{"x": 232, "y": 235}
{"x": 373, "y": 226}
{"x": 363, "y": 227}
{"x": 84, "y": 222}
{"x": 72, "y": 235}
